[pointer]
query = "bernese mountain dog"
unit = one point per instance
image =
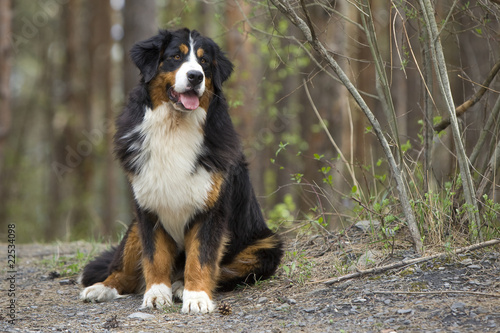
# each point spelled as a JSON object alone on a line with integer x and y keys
{"x": 198, "y": 226}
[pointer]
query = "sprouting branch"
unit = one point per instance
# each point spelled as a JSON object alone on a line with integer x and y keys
{"x": 285, "y": 7}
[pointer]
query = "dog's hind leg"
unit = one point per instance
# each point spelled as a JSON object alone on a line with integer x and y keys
{"x": 256, "y": 262}
{"x": 123, "y": 271}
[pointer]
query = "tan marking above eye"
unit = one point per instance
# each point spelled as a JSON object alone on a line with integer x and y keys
{"x": 200, "y": 53}
{"x": 184, "y": 49}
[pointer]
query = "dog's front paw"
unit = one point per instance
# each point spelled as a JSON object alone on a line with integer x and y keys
{"x": 159, "y": 295}
{"x": 196, "y": 302}
{"x": 98, "y": 293}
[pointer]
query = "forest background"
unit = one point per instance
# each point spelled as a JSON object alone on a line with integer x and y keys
{"x": 347, "y": 112}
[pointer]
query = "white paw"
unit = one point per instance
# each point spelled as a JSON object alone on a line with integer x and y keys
{"x": 157, "y": 296}
{"x": 98, "y": 293}
{"x": 178, "y": 289}
{"x": 197, "y": 302}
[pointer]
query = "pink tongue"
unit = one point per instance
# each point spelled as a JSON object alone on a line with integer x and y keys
{"x": 189, "y": 100}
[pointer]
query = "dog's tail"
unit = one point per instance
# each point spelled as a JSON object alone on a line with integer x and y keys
{"x": 98, "y": 269}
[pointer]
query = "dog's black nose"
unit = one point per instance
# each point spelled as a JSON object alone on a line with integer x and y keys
{"x": 195, "y": 77}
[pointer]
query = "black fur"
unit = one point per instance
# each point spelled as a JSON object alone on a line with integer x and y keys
{"x": 98, "y": 269}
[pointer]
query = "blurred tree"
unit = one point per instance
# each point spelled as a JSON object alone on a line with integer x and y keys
{"x": 5, "y": 66}
{"x": 139, "y": 23}
{"x": 100, "y": 88}
{"x": 242, "y": 51}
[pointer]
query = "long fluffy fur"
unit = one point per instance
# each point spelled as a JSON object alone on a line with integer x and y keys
{"x": 228, "y": 234}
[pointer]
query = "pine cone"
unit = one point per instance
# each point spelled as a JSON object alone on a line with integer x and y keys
{"x": 225, "y": 309}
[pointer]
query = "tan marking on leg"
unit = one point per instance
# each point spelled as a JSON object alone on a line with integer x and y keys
{"x": 199, "y": 277}
{"x": 158, "y": 270}
{"x": 126, "y": 280}
{"x": 213, "y": 194}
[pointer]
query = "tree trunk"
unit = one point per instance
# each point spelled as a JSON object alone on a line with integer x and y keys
{"x": 78, "y": 183}
{"x": 5, "y": 112}
{"x": 139, "y": 23}
{"x": 5, "y": 66}
{"x": 245, "y": 84}
{"x": 100, "y": 88}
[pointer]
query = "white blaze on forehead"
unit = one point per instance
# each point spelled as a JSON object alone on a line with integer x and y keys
{"x": 191, "y": 64}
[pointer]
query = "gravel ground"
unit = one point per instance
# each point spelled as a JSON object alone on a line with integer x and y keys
{"x": 418, "y": 298}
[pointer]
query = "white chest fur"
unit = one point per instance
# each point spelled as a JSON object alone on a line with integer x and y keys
{"x": 169, "y": 183}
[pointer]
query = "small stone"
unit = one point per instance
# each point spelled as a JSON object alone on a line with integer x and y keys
{"x": 310, "y": 310}
{"x": 359, "y": 300}
{"x": 474, "y": 267}
{"x": 283, "y": 307}
{"x": 291, "y": 301}
{"x": 141, "y": 315}
{"x": 66, "y": 282}
{"x": 481, "y": 310}
{"x": 387, "y": 301}
{"x": 404, "y": 311}
{"x": 466, "y": 262}
{"x": 457, "y": 306}
{"x": 262, "y": 300}
{"x": 366, "y": 225}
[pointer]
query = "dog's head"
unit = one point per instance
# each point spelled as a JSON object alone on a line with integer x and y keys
{"x": 181, "y": 67}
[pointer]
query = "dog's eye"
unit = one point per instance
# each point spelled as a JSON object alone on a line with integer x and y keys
{"x": 177, "y": 57}
{"x": 203, "y": 60}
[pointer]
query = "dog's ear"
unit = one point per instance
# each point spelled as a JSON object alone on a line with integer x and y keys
{"x": 147, "y": 54}
{"x": 223, "y": 68}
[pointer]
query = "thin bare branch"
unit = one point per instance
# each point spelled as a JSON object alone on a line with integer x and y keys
{"x": 403, "y": 263}
{"x": 460, "y": 110}
{"x": 440, "y": 292}
{"x": 486, "y": 129}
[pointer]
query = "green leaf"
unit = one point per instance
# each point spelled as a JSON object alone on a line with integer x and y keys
{"x": 318, "y": 157}
{"x": 406, "y": 146}
{"x": 282, "y": 146}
